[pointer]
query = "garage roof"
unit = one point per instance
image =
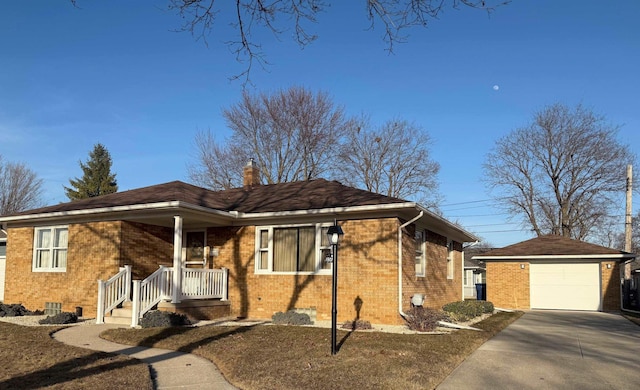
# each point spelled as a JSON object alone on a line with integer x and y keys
{"x": 553, "y": 247}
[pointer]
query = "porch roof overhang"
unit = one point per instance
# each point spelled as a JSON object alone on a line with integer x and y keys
{"x": 195, "y": 216}
{"x": 159, "y": 213}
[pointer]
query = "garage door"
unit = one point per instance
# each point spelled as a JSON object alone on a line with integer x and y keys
{"x": 565, "y": 286}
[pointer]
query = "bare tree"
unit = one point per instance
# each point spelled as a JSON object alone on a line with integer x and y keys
{"x": 20, "y": 188}
{"x": 251, "y": 19}
{"x": 218, "y": 166}
{"x": 392, "y": 159}
{"x": 561, "y": 173}
{"x": 615, "y": 238}
{"x": 289, "y": 133}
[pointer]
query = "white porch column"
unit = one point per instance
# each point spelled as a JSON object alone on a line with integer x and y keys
{"x": 177, "y": 259}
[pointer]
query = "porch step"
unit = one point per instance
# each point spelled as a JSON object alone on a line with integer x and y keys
{"x": 120, "y": 316}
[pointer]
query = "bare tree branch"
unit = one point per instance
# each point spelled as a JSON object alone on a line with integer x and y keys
{"x": 392, "y": 159}
{"x": 561, "y": 173}
{"x": 252, "y": 18}
{"x": 20, "y": 188}
{"x": 288, "y": 133}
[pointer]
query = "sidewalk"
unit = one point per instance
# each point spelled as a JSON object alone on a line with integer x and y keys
{"x": 169, "y": 369}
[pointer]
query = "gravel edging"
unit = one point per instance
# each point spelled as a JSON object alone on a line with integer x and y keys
{"x": 34, "y": 321}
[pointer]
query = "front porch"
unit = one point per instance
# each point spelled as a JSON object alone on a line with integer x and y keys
{"x": 197, "y": 290}
{"x": 199, "y": 293}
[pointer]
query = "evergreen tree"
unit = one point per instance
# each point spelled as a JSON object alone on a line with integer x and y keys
{"x": 97, "y": 178}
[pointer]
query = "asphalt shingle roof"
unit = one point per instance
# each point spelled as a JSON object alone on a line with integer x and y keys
{"x": 302, "y": 195}
{"x": 551, "y": 245}
{"x": 474, "y": 251}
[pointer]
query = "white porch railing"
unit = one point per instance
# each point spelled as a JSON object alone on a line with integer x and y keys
{"x": 113, "y": 292}
{"x": 148, "y": 293}
{"x": 197, "y": 283}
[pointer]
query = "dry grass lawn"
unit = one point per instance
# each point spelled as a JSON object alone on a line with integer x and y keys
{"x": 290, "y": 357}
{"x": 31, "y": 359}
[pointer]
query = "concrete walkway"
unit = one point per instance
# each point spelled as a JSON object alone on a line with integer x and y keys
{"x": 555, "y": 350}
{"x": 169, "y": 369}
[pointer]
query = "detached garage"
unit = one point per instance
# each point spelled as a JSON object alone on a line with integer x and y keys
{"x": 554, "y": 272}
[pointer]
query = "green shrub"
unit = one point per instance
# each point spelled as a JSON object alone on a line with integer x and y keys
{"x": 59, "y": 319}
{"x": 16, "y": 309}
{"x": 423, "y": 319}
{"x": 291, "y": 318}
{"x": 462, "y": 311}
{"x": 163, "y": 319}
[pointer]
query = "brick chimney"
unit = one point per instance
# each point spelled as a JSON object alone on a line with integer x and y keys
{"x": 251, "y": 174}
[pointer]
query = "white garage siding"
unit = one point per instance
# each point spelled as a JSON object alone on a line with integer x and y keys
{"x": 565, "y": 286}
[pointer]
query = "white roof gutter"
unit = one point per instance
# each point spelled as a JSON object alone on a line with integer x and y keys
{"x": 333, "y": 210}
{"x": 620, "y": 256}
{"x": 115, "y": 209}
{"x": 402, "y": 313}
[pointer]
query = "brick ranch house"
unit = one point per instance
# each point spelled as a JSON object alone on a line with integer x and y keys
{"x": 245, "y": 252}
{"x": 555, "y": 272}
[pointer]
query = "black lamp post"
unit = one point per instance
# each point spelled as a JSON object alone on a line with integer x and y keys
{"x": 334, "y": 233}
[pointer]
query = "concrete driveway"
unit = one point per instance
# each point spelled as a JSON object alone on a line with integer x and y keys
{"x": 555, "y": 350}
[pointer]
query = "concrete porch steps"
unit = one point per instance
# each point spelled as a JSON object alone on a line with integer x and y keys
{"x": 194, "y": 309}
{"x": 120, "y": 315}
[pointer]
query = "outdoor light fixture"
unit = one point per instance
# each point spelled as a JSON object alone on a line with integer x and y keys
{"x": 521, "y": 266}
{"x": 334, "y": 233}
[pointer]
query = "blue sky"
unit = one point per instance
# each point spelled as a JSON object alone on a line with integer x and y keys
{"x": 115, "y": 73}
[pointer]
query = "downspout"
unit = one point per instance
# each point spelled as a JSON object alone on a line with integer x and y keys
{"x": 403, "y": 314}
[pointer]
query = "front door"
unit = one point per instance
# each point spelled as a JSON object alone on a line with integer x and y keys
{"x": 194, "y": 244}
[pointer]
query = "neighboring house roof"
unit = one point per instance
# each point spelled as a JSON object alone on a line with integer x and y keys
{"x": 471, "y": 251}
{"x": 553, "y": 247}
{"x": 251, "y": 202}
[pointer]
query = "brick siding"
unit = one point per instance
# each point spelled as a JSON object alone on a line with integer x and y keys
{"x": 508, "y": 285}
{"x": 145, "y": 247}
{"x": 610, "y": 278}
{"x": 92, "y": 254}
{"x": 436, "y": 288}
{"x": 367, "y": 273}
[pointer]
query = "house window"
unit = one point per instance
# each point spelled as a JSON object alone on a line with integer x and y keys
{"x": 450, "y": 262}
{"x": 293, "y": 249}
{"x": 262, "y": 257}
{"x": 50, "y": 249}
{"x": 421, "y": 257}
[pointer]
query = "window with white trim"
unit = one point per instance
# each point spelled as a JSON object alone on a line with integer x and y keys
{"x": 421, "y": 256}
{"x": 450, "y": 262}
{"x": 50, "y": 249}
{"x": 293, "y": 249}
